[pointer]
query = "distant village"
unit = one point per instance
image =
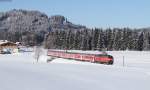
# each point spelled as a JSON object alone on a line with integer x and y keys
{"x": 8, "y": 47}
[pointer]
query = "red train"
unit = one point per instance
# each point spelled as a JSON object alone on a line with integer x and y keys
{"x": 97, "y": 58}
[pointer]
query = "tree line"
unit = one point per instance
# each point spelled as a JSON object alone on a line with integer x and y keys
{"x": 86, "y": 39}
{"x": 99, "y": 39}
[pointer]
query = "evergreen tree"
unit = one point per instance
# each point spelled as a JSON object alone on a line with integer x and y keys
{"x": 140, "y": 42}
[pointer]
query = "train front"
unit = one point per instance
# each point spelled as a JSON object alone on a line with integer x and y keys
{"x": 110, "y": 59}
{"x": 104, "y": 58}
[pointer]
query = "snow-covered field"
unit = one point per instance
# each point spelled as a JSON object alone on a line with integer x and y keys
{"x": 22, "y": 72}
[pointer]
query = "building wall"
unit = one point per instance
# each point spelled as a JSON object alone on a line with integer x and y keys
{"x": 8, "y": 46}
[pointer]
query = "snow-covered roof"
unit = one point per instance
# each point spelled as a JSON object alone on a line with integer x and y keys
{"x": 5, "y": 41}
{"x": 82, "y": 52}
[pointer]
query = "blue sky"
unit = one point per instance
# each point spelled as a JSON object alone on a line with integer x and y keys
{"x": 92, "y": 13}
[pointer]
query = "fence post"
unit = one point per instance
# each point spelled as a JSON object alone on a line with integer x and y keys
{"x": 123, "y": 62}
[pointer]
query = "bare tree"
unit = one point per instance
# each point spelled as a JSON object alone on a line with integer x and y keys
{"x": 38, "y": 52}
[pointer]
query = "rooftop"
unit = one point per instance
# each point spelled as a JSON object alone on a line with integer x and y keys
{"x": 5, "y": 41}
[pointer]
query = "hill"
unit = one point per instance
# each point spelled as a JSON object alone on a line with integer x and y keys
{"x": 30, "y": 27}
{"x": 23, "y": 20}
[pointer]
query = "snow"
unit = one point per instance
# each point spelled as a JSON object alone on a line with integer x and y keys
{"x": 132, "y": 58}
{"x": 79, "y": 51}
{"x": 21, "y": 71}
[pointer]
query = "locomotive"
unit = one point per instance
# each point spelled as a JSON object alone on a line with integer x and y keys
{"x": 102, "y": 58}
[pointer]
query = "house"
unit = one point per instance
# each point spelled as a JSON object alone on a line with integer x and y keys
{"x": 7, "y": 45}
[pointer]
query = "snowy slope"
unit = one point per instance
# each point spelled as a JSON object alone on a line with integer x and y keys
{"x": 139, "y": 59}
{"x": 21, "y": 72}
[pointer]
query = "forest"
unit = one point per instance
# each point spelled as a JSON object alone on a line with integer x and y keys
{"x": 33, "y": 28}
{"x": 99, "y": 39}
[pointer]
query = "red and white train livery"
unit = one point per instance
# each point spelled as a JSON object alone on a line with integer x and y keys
{"x": 97, "y": 58}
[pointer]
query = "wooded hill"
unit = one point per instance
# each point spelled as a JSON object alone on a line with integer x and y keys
{"x": 36, "y": 28}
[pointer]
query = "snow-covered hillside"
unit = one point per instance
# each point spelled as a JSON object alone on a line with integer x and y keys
{"x": 22, "y": 72}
